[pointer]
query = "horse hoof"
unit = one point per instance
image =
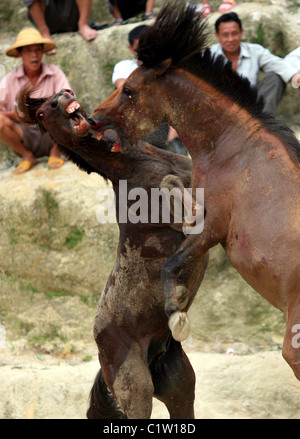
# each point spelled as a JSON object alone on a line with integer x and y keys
{"x": 182, "y": 296}
{"x": 179, "y": 325}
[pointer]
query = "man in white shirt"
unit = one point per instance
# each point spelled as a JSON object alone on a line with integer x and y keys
{"x": 294, "y": 59}
{"x": 124, "y": 68}
{"x": 164, "y": 136}
{"x": 249, "y": 59}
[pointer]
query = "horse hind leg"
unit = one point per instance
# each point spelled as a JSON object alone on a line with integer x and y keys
{"x": 133, "y": 386}
{"x": 174, "y": 381}
{"x": 291, "y": 344}
{"x": 102, "y": 403}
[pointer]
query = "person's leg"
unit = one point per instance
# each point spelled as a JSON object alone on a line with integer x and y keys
{"x": 55, "y": 161}
{"x": 226, "y": 5}
{"x": 206, "y": 8}
{"x": 125, "y": 10}
{"x": 11, "y": 135}
{"x": 84, "y": 7}
{"x": 117, "y": 15}
{"x": 271, "y": 89}
{"x": 37, "y": 13}
{"x": 41, "y": 145}
{"x": 149, "y": 9}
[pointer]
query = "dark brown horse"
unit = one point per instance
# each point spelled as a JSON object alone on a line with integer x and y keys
{"x": 138, "y": 356}
{"x": 246, "y": 161}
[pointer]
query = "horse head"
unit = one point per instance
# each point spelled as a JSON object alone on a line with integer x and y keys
{"x": 65, "y": 120}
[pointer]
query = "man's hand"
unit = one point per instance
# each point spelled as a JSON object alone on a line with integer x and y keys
{"x": 296, "y": 80}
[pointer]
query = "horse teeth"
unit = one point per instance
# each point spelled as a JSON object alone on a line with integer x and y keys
{"x": 73, "y": 106}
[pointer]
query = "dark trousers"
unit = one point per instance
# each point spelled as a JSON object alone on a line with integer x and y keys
{"x": 60, "y": 15}
{"x": 129, "y": 8}
{"x": 271, "y": 88}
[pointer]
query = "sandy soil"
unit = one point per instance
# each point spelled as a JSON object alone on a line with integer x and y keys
{"x": 258, "y": 386}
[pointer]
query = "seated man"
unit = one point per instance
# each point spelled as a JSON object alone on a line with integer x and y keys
{"x": 249, "y": 59}
{"x": 123, "y": 9}
{"x": 293, "y": 58}
{"x": 27, "y": 141}
{"x": 51, "y": 16}
{"x": 164, "y": 137}
{"x": 125, "y": 67}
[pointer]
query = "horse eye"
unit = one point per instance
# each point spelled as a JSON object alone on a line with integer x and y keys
{"x": 127, "y": 92}
{"x": 39, "y": 116}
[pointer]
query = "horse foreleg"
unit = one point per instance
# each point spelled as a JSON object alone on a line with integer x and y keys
{"x": 291, "y": 344}
{"x": 176, "y": 297}
{"x": 174, "y": 382}
{"x": 187, "y": 212}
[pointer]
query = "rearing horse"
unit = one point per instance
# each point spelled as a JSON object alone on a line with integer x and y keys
{"x": 139, "y": 358}
{"x": 246, "y": 161}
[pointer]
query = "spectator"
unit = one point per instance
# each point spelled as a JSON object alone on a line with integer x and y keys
{"x": 225, "y": 6}
{"x": 249, "y": 59}
{"x": 124, "y": 68}
{"x": 51, "y": 16}
{"x": 27, "y": 141}
{"x": 123, "y": 9}
{"x": 164, "y": 137}
{"x": 293, "y": 58}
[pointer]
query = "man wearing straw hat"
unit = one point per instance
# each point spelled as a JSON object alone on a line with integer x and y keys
{"x": 27, "y": 141}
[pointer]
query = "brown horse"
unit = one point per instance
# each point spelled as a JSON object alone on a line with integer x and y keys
{"x": 246, "y": 161}
{"x": 138, "y": 356}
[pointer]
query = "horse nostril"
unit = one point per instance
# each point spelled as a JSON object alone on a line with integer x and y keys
{"x": 67, "y": 90}
{"x": 91, "y": 121}
{"x": 54, "y": 103}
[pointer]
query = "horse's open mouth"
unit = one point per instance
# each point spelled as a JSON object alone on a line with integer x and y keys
{"x": 79, "y": 123}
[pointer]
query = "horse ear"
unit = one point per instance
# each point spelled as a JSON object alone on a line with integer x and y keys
{"x": 162, "y": 67}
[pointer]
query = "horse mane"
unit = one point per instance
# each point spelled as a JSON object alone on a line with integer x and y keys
{"x": 180, "y": 33}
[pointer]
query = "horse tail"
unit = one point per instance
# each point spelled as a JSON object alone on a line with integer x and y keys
{"x": 102, "y": 402}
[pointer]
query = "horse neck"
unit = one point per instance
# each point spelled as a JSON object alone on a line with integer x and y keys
{"x": 207, "y": 120}
{"x": 113, "y": 166}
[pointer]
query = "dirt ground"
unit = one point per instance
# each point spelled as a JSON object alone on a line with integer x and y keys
{"x": 256, "y": 386}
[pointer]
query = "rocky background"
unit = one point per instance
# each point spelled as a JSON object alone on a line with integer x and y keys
{"x": 55, "y": 258}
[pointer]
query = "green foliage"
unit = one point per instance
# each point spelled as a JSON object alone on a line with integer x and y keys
{"x": 74, "y": 237}
{"x": 13, "y": 236}
{"x": 50, "y": 203}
